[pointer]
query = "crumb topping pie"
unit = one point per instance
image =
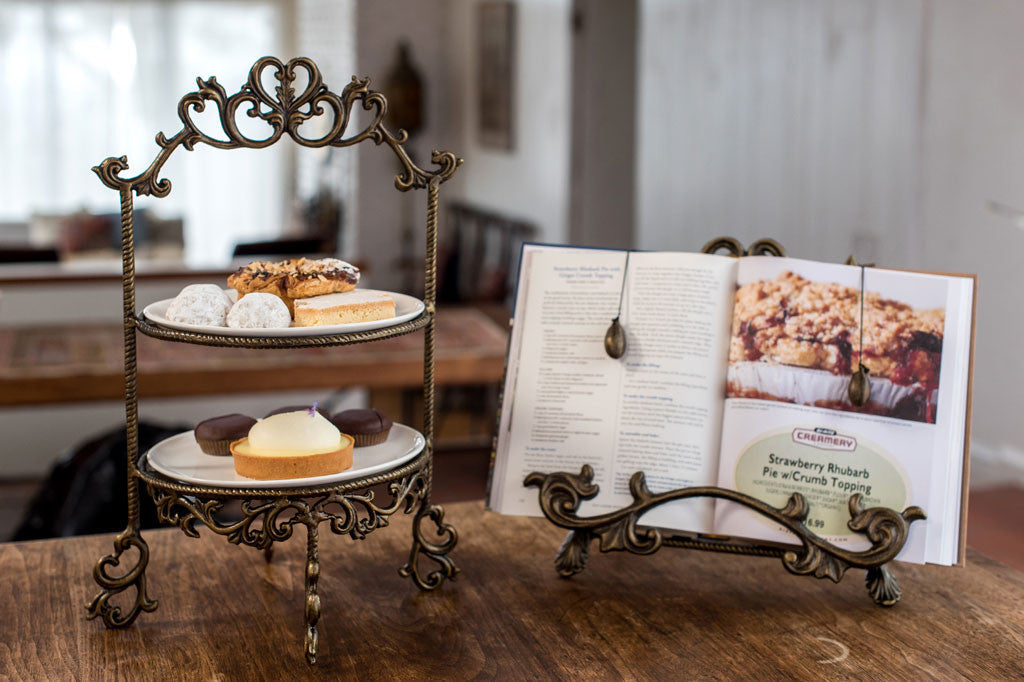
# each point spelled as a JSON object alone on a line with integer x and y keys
{"x": 816, "y": 325}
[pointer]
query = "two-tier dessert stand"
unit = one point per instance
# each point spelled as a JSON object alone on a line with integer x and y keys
{"x": 270, "y": 514}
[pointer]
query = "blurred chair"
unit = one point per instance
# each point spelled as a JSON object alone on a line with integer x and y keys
{"x": 478, "y": 260}
{"x": 303, "y": 246}
{"x": 16, "y": 247}
{"x": 19, "y": 253}
{"x": 479, "y": 255}
{"x": 83, "y": 235}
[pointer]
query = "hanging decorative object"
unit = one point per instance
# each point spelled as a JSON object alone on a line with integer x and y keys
{"x": 615, "y": 337}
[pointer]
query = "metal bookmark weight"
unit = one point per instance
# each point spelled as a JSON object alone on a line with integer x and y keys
{"x": 859, "y": 390}
{"x": 615, "y": 337}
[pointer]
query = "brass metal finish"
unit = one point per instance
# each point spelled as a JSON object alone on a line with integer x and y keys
{"x": 285, "y": 112}
{"x": 351, "y": 510}
{"x": 859, "y": 390}
{"x": 762, "y": 247}
{"x": 615, "y": 337}
{"x": 615, "y": 340}
{"x": 146, "y": 327}
{"x": 269, "y": 515}
{"x": 113, "y": 585}
{"x": 312, "y": 597}
{"x": 766, "y": 247}
{"x": 447, "y": 536}
{"x": 561, "y": 494}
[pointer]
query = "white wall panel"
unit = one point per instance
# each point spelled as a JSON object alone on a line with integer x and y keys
{"x": 794, "y": 120}
{"x": 973, "y": 152}
{"x": 531, "y": 182}
{"x": 871, "y": 127}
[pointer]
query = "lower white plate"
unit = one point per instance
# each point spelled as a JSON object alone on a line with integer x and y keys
{"x": 406, "y": 308}
{"x": 180, "y": 458}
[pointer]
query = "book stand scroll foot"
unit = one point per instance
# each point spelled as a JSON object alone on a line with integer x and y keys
{"x": 561, "y": 494}
{"x": 269, "y": 515}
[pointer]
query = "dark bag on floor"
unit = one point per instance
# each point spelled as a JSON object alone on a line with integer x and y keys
{"x": 86, "y": 492}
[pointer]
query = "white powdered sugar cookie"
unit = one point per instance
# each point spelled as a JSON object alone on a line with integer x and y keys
{"x": 200, "y": 304}
{"x": 259, "y": 311}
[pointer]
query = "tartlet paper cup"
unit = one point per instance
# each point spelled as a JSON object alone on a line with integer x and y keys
{"x": 220, "y": 448}
{"x": 364, "y": 439}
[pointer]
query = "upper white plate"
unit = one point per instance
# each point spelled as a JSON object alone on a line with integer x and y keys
{"x": 180, "y": 458}
{"x": 406, "y": 308}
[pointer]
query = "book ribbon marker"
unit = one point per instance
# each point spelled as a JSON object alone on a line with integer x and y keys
{"x": 615, "y": 337}
{"x": 859, "y": 390}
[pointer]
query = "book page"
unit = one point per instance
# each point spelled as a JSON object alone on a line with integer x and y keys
{"x": 657, "y": 409}
{"x": 789, "y": 425}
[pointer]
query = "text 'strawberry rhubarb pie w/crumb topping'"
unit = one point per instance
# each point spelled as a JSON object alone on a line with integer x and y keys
{"x": 798, "y": 341}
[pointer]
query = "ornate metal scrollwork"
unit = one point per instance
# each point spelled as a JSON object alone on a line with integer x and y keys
{"x": 270, "y": 515}
{"x": 355, "y": 513}
{"x": 284, "y": 112}
{"x": 135, "y": 576}
{"x": 561, "y": 494}
{"x": 762, "y": 247}
{"x": 436, "y": 550}
{"x": 264, "y": 522}
{"x": 260, "y": 525}
{"x": 312, "y": 595}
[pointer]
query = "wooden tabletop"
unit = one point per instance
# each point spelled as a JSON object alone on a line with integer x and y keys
{"x": 74, "y": 363}
{"x": 225, "y": 614}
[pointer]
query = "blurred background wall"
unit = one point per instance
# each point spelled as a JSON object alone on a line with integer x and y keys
{"x": 874, "y": 128}
{"x": 868, "y": 127}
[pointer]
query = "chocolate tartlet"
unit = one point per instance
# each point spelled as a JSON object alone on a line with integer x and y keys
{"x": 366, "y": 426}
{"x": 296, "y": 408}
{"x": 215, "y": 435}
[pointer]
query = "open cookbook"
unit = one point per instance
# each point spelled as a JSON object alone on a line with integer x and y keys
{"x": 736, "y": 374}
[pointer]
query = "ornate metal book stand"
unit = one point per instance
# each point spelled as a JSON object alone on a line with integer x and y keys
{"x": 270, "y": 515}
{"x": 561, "y": 494}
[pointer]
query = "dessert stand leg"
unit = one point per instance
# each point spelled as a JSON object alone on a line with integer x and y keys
{"x": 446, "y": 534}
{"x": 312, "y": 596}
{"x": 268, "y": 553}
{"x": 185, "y": 506}
{"x": 436, "y": 551}
{"x": 134, "y": 576}
{"x": 130, "y": 537}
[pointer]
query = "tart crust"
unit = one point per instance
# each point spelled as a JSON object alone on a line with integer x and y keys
{"x": 278, "y": 467}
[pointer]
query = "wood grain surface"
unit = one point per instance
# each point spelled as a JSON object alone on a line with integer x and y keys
{"x": 225, "y": 614}
{"x": 71, "y": 363}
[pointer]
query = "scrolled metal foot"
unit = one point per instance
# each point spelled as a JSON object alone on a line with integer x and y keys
{"x": 312, "y": 596}
{"x": 113, "y": 585}
{"x": 436, "y": 550}
{"x": 883, "y": 586}
{"x": 574, "y": 552}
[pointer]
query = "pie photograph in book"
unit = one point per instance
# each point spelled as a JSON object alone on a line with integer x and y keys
{"x": 797, "y": 340}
